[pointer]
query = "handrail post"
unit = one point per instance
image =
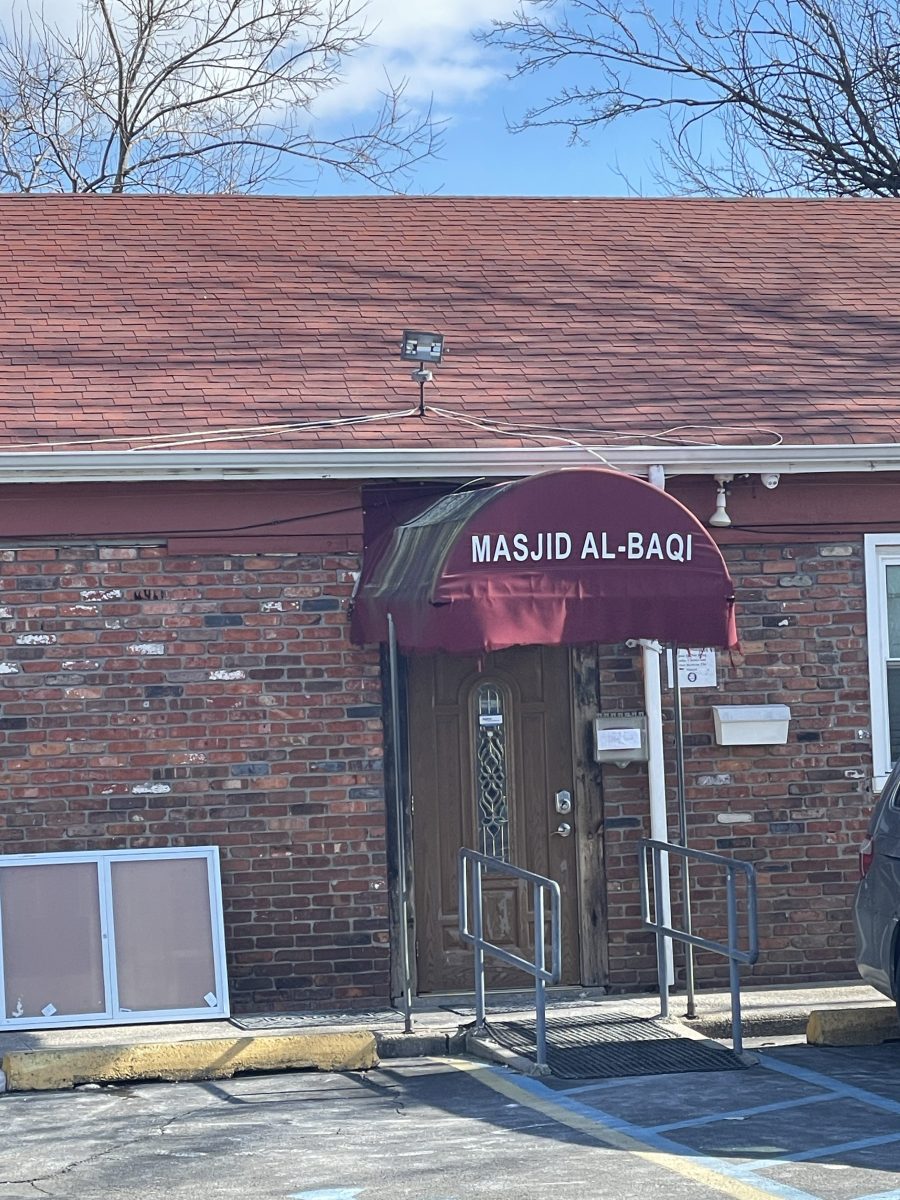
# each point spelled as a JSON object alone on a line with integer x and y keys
{"x": 752, "y": 930}
{"x": 730, "y": 947}
{"x": 540, "y": 987}
{"x": 662, "y": 965}
{"x": 479, "y": 947}
{"x": 733, "y": 977}
{"x": 474, "y": 935}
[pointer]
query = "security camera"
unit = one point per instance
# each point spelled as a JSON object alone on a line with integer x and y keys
{"x": 771, "y": 480}
{"x": 421, "y": 375}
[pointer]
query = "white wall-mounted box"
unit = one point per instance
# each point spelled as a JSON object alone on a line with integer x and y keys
{"x": 751, "y": 724}
{"x": 620, "y": 738}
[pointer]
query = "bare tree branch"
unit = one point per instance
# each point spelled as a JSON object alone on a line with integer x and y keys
{"x": 761, "y": 97}
{"x": 191, "y": 95}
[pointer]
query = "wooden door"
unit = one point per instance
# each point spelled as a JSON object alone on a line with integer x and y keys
{"x": 490, "y": 746}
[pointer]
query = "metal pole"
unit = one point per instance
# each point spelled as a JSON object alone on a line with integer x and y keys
{"x": 734, "y": 980}
{"x": 659, "y": 921}
{"x": 540, "y": 987}
{"x": 656, "y": 778}
{"x": 479, "y": 948}
{"x": 401, "y": 828}
{"x": 682, "y": 835}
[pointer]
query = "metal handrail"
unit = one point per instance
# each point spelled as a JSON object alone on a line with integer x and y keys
{"x": 731, "y": 950}
{"x": 542, "y": 887}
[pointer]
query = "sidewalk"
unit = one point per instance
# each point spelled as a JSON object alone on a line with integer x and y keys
{"x": 59, "y": 1058}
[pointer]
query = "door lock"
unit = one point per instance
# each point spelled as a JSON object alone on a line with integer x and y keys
{"x": 563, "y": 801}
{"x": 564, "y": 830}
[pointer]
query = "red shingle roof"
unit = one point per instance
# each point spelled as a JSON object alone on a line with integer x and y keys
{"x": 122, "y": 317}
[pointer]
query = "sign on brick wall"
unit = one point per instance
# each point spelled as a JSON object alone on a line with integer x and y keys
{"x": 696, "y": 668}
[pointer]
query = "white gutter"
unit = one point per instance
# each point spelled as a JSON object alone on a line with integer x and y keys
{"x": 38, "y": 466}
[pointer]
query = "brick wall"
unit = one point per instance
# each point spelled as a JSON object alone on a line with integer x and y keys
{"x": 797, "y": 811}
{"x": 149, "y": 699}
{"x": 156, "y": 700}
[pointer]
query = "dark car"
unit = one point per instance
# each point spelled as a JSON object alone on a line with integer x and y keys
{"x": 876, "y": 908}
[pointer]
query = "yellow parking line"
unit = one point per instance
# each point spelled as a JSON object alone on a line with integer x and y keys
{"x": 615, "y": 1138}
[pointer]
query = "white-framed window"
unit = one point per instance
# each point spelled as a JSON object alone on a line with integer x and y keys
{"x": 882, "y": 558}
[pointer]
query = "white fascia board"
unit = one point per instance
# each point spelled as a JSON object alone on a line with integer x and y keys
{"x": 455, "y": 463}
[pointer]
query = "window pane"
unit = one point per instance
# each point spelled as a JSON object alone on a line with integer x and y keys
{"x": 491, "y": 775}
{"x": 52, "y": 953}
{"x": 892, "y": 576}
{"x": 893, "y": 688}
{"x": 164, "y": 937}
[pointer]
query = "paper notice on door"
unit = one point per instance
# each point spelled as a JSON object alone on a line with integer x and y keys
{"x": 490, "y": 719}
{"x": 618, "y": 739}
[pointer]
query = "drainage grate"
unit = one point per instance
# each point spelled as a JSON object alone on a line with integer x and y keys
{"x": 613, "y": 1047}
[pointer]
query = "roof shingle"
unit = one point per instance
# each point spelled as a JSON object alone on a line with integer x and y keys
{"x": 608, "y": 321}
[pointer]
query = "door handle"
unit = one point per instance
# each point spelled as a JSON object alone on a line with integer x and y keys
{"x": 564, "y": 830}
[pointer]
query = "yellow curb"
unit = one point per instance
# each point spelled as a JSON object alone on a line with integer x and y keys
{"x": 852, "y": 1026}
{"x": 213, "y": 1058}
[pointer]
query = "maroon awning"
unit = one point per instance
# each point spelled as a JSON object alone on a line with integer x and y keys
{"x": 566, "y": 557}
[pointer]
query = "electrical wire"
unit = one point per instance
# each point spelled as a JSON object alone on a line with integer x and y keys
{"x": 787, "y": 527}
{"x": 148, "y": 437}
{"x": 526, "y": 430}
{"x": 337, "y": 422}
{"x": 540, "y": 437}
{"x": 154, "y": 532}
{"x": 666, "y": 435}
{"x": 166, "y": 441}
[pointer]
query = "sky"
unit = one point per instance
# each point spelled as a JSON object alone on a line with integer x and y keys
{"x": 430, "y": 44}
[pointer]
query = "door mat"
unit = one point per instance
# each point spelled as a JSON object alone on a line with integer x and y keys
{"x": 495, "y": 1006}
{"x": 614, "y": 1047}
{"x": 288, "y": 1020}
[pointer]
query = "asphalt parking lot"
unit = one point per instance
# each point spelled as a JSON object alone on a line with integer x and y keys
{"x": 805, "y": 1123}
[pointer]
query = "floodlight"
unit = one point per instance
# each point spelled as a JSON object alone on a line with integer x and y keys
{"x": 421, "y": 347}
{"x": 720, "y": 518}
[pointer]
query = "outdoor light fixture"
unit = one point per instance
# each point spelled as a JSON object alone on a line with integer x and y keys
{"x": 421, "y": 348}
{"x": 720, "y": 518}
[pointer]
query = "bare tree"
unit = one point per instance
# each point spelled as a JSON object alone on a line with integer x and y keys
{"x": 190, "y": 95}
{"x": 772, "y": 97}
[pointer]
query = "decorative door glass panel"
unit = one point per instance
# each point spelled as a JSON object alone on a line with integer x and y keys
{"x": 491, "y": 771}
{"x": 52, "y": 941}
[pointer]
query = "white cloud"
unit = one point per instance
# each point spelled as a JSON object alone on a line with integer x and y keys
{"x": 427, "y": 44}
{"x": 63, "y": 13}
